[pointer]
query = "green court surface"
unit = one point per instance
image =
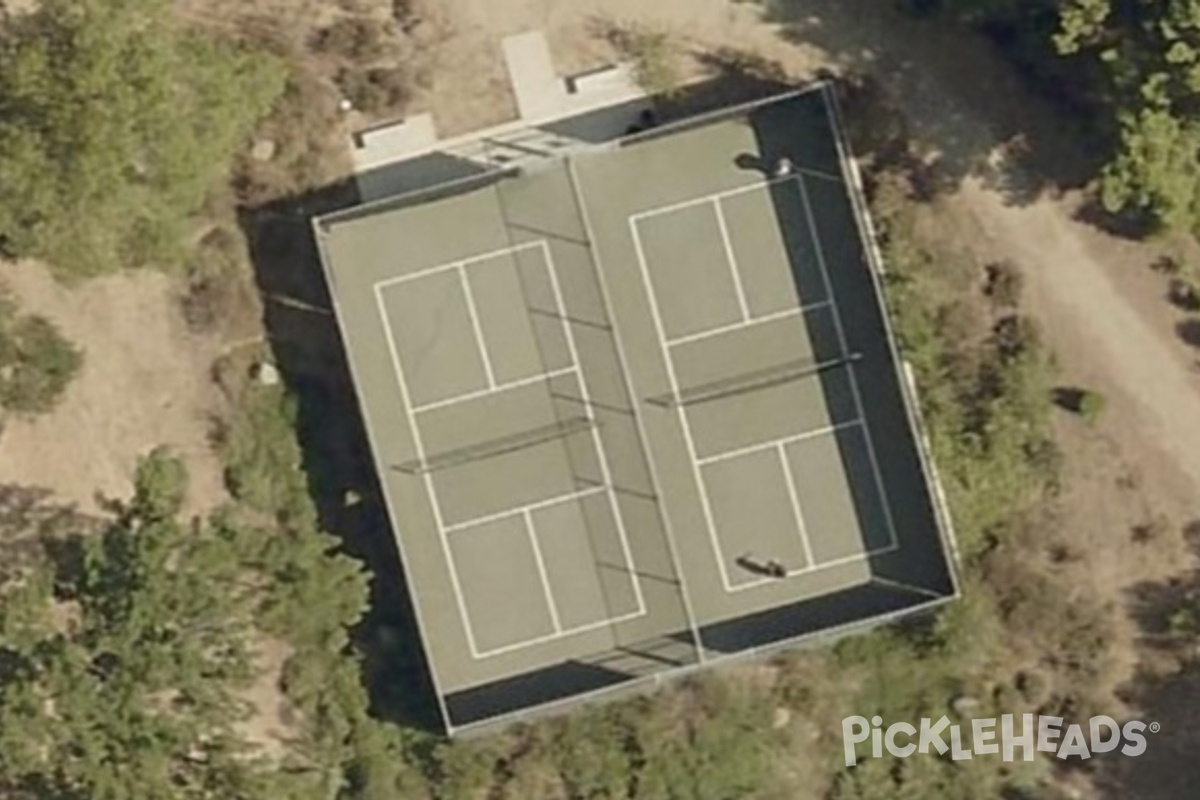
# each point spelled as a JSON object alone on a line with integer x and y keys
{"x": 635, "y": 410}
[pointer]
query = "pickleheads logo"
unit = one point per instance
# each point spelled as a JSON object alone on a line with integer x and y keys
{"x": 1003, "y": 737}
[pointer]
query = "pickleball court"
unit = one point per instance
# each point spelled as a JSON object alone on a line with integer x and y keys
{"x": 636, "y": 409}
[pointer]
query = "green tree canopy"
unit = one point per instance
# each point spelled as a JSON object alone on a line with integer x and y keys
{"x": 121, "y": 655}
{"x": 115, "y": 123}
{"x": 36, "y": 362}
{"x": 1152, "y": 52}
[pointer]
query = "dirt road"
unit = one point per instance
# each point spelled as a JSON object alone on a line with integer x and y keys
{"x": 1105, "y": 330}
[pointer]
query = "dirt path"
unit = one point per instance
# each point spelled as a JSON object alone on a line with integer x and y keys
{"x": 1105, "y": 331}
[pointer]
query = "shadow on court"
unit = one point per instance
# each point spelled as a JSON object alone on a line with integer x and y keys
{"x": 308, "y": 351}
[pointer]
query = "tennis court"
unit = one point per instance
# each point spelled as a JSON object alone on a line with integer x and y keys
{"x": 635, "y": 410}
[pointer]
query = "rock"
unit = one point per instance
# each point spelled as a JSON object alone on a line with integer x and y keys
{"x": 263, "y": 149}
{"x": 266, "y": 373}
{"x": 964, "y": 705}
{"x": 781, "y": 718}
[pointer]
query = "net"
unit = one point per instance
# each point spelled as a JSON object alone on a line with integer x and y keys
{"x": 498, "y": 446}
{"x": 751, "y": 381}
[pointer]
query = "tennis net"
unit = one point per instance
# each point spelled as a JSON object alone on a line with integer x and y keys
{"x": 751, "y": 381}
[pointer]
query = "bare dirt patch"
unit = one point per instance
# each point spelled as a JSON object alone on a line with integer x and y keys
{"x": 269, "y": 725}
{"x": 145, "y": 382}
{"x": 469, "y": 88}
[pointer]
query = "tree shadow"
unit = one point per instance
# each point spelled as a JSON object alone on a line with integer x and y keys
{"x": 1133, "y": 224}
{"x": 308, "y": 351}
{"x": 1025, "y": 132}
{"x": 1183, "y": 295}
{"x": 879, "y": 132}
{"x": 734, "y": 77}
{"x": 1165, "y": 690}
{"x": 31, "y": 526}
{"x": 1068, "y": 398}
{"x": 1188, "y": 332}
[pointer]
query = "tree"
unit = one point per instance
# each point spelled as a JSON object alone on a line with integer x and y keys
{"x": 122, "y": 654}
{"x": 1151, "y": 52}
{"x": 115, "y": 124}
{"x": 36, "y": 362}
{"x": 1157, "y": 169}
{"x": 588, "y": 751}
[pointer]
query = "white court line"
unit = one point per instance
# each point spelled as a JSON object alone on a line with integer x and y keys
{"x": 706, "y": 506}
{"x": 535, "y": 506}
{"x": 552, "y": 637}
{"x": 734, "y": 326}
{"x": 841, "y": 334}
{"x": 560, "y": 632}
{"x": 541, "y": 568}
{"x": 786, "y": 440}
{"x": 665, "y": 344}
{"x": 813, "y": 565}
{"x": 423, "y": 273}
{"x": 419, "y": 445}
{"x": 500, "y": 387}
{"x": 601, "y": 453}
{"x": 526, "y": 510}
{"x": 708, "y": 198}
{"x": 477, "y": 326}
{"x": 833, "y": 562}
{"x": 734, "y": 270}
{"x": 790, "y": 480}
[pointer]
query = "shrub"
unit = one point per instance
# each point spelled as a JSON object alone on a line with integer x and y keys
{"x": 36, "y": 362}
{"x": 1184, "y": 292}
{"x": 1086, "y": 403}
{"x": 1166, "y": 265}
{"x": 212, "y": 280}
{"x": 1152, "y": 530}
{"x": 1004, "y": 284}
{"x": 160, "y": 485}
{"x": 353, "y": 38}
{"x": 309, "y": 153}
{"x": 1091, "y": 405}
{"x": 375, "y": 91}
{"x": 1182, "y": 622}
{"x": 263, "y": 461}
{"x": 653, "y": 53}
